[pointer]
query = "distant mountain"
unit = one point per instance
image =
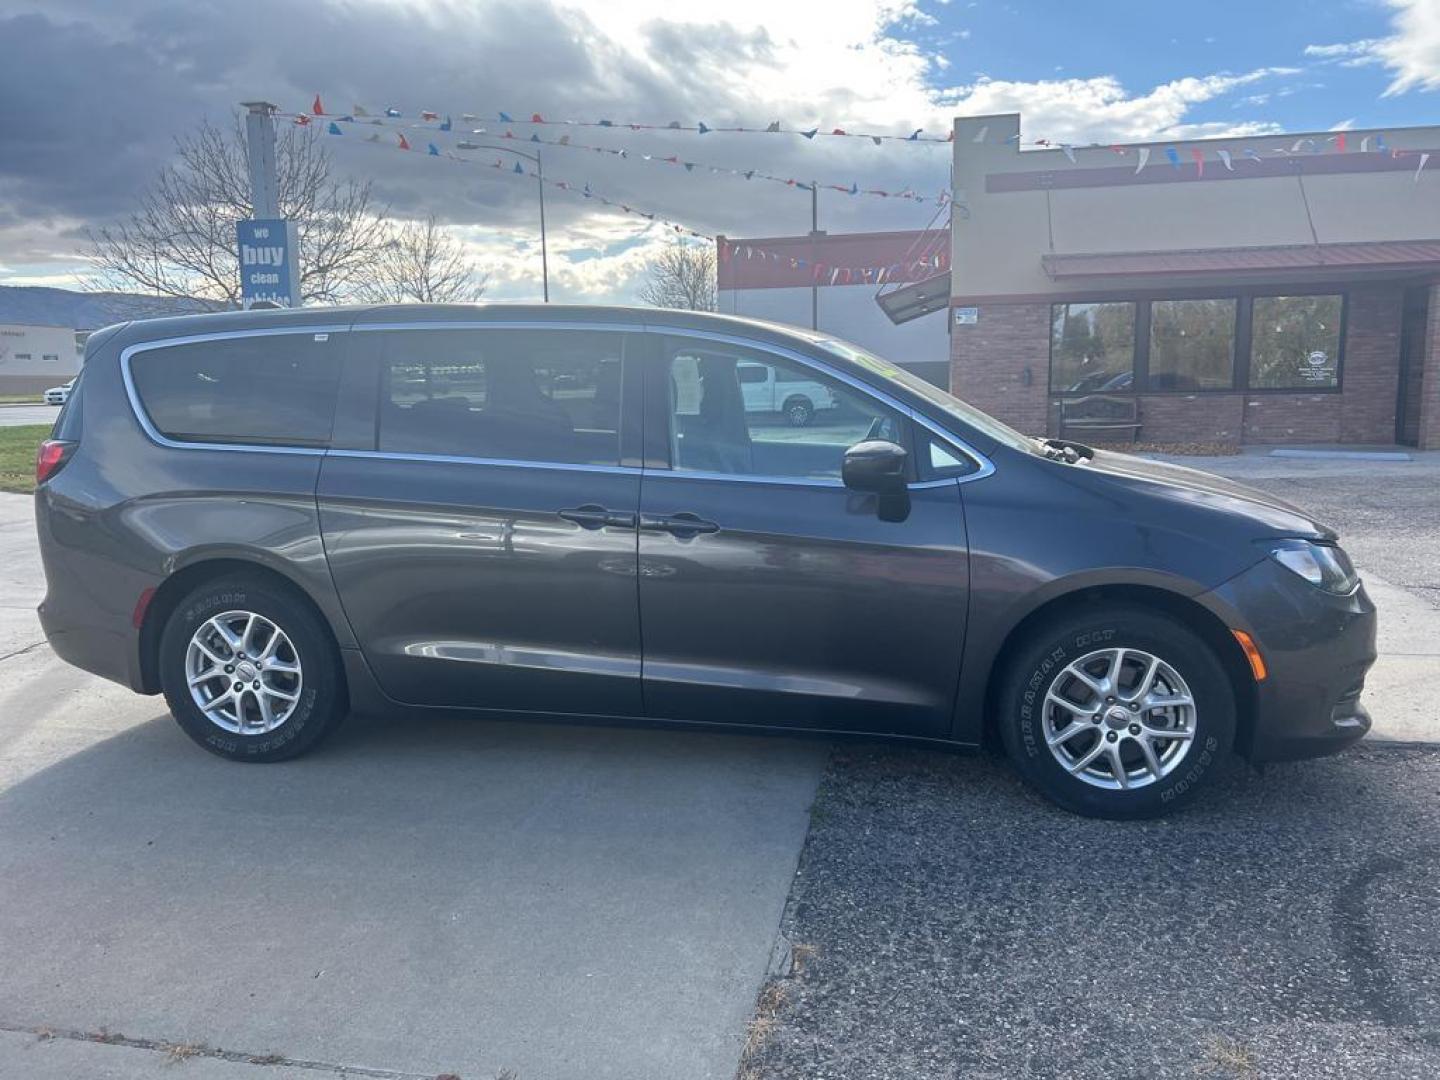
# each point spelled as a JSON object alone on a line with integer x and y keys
{"x": 36, "y": 305}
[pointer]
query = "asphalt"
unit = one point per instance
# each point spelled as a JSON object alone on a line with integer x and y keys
{"x": 958, "y": 926}
{"x": 18, "y": 415}
{"x": 417, "y": 897}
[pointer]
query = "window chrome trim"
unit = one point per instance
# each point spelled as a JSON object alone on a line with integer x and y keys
{"x": 137, "y": 408}
{"x": 509, "y": 463}
{"x": 984, "y": 466}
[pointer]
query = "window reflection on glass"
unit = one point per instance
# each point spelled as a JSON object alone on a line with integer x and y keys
{"x": 1295, "y": 342}
{"x": 1192, "y": 345}
{"x": 1092, "y": 348}
{"x": 746, "y": 413}
{"x": 513, "y": 395}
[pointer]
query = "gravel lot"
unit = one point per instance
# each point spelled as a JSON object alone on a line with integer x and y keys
{"x": 960, "y": 927}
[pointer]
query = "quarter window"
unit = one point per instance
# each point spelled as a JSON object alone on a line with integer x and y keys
{"x": 1092, "y": 348}
{"x": 268, "y": 389}
{"x": 1295, "y": 342}
{"x": 509, "y": 395}
{"x": 1192, "y": 345}
{"x": 795, "y": 424}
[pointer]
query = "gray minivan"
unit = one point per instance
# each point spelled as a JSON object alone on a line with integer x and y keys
{"x": 276, "y": 517}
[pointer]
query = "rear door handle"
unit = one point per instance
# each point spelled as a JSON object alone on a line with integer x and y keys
{"x": 683, "y": 524}
{"x": 593, "y": 516}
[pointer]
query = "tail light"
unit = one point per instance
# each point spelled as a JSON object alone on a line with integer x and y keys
{"x": 53, "y": 454}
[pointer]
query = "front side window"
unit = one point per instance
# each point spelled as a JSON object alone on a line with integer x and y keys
{"x": 1192, "y": 345}
{"x": 1295, "y": 342}
{"x": 265, "y": 389}
{"x": 801, "y": 429}
{"x": 1092, "y": 348}
{"x": 513, "y": 395}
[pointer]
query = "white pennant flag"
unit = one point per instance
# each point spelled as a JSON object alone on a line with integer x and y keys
{"x": 1423, "y": 159}
{"x": 1365, "y": 145}
{"x": 1068, "y": 151}
{"x": 1225, "y": 157}
{"x": 980, "y": 135}
{"x": 1144, "y": 157}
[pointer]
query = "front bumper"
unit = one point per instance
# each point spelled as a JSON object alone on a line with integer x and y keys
{"x": 1317, "y": 648}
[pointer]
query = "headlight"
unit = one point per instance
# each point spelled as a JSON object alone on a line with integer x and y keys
{"x": 1323, "y": 565}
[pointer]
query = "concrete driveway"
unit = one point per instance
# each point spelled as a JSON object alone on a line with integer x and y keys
{"x": 419, "y": 897}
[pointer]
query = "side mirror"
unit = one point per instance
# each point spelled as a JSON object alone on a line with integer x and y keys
{"x": 876, "y": 466}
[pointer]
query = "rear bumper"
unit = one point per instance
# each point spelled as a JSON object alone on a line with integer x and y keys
{"x": 1317, "y": 649}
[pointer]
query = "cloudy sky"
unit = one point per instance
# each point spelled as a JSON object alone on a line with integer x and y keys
{"x": 95, "y": 91}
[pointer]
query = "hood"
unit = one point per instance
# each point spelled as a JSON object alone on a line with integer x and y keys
{"x": 1275, "y": 515}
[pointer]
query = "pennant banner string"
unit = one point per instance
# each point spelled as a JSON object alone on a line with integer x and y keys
{"x": 670, "y": 160}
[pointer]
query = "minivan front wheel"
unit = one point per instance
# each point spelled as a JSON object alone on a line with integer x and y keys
{"x": 249, "y": 671}
{"x": 1118, "y": 713}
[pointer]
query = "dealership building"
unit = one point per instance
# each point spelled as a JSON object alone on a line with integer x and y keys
{"x": 1279, "y": 289}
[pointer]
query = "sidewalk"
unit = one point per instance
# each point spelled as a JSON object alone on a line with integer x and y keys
{"x": 1399, "y": 691}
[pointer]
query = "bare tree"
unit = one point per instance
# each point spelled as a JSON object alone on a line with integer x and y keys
{"x": 421, "y": 262}
{"x": 181, "y": 240}
{"x": 681, "y": 276}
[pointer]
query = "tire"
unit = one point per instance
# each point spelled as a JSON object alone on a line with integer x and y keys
{"x": 1188, "y": 668}
{"x": 799, "y": 411}
{"x": 292, "y": 726}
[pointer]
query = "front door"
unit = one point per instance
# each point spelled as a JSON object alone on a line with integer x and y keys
{"x": 770, "y": 593}
{"x": 483, "y": 542}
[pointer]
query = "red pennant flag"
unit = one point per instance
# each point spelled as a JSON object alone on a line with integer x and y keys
{"x": 317, "y": 108}
{"x": 404, "y": 143}
{"x": 536, "y": 118}
{"x": 1199, "y": 156}
{"x": 302, "y": 119}
{"x": 839, "y": 131}
{"x": 1340, "y": 142}
{"x": 426, "y": 114}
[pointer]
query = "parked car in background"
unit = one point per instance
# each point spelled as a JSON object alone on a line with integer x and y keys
{"x": 58, "y": 395}
{"x": 769, "y": 389}
{"x": 274, "y": 517}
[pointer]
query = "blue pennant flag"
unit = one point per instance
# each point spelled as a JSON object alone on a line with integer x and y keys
{"x": 392, "y": 113}
{"x": 854, "y": 188}
{"x": 434, "y": 150}
{"x": 811, "y": 133}
{"x": 607, "y": 123}
{"x": 1173, "y": 155}
{"x": 505, "y": 118}
{"x": 334, "y": 128}
{"x": 703, "y": 129}
{"x": 1380, "y": 143}
{"x": 749, "y": 173}
{"x": 518, "y": 169}
{"x": 689, "y": 166}
{"x": 535, "y": 138}
{"x": 914, "y": 136}
{"x": 446, "y": 125}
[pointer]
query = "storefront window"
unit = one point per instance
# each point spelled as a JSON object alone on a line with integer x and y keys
{"x": 1192, "y": 345}
{"x": 1092, "y": 348}
{"x": 1295, "y": 343}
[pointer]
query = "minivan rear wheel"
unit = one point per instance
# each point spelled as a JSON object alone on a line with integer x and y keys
{"x": 1117, "y": 712}
{"x": 249, "y": 671}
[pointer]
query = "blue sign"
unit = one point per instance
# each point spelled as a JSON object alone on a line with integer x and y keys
{"x": 268, "y": 271}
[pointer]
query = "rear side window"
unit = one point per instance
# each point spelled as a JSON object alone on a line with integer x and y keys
{"x": 514, "y": 395}
{"x": 67, "y": 423}
{"x": 267, "y": 389}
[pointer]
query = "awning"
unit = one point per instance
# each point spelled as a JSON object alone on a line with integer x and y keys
{"x": 1366, "y": 255}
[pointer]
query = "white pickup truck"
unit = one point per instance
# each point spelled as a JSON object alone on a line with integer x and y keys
{"x": 768, "y": 390}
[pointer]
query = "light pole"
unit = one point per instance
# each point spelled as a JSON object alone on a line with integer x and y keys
{"x": 540, "y": 181}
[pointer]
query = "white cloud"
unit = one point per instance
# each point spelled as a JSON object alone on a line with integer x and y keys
{"x": 1100, "y": 109}
{"x": 1411, "y": 52}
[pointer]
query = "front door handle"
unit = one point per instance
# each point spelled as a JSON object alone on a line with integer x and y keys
{"x": 683, "y": 524}
{"x": 593, "y": 516}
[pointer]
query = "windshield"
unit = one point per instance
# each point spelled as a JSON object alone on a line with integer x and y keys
{"x": 948, "y": 403}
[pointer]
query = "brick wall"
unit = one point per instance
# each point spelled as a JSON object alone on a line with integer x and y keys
{"x": 1292, "y": 418}
{"x": 1372, "y": 364}
{"x": 1191, "y": 418}
{"x": 989, "y": 361}
{"x": 1430, "y": 381}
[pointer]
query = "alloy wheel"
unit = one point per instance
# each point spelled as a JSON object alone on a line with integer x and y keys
{"x": 243, "y": 672}
{"x": 1119, "y": 718}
